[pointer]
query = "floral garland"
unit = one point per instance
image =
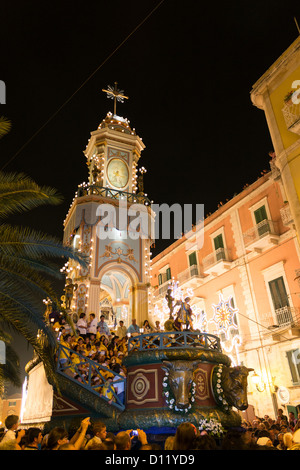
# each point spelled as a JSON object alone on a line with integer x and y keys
{"x": 170, "y": 399}
{"x": 212, "y": 427}
{"x": 219, "y": 390}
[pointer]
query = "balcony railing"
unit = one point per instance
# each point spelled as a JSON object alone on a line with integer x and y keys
{"x": 84, "y": 371}
{"x": 261, "y": 230}
{"x": 162, "y": 289}
{"x": 189, "y": 273}
{"x": 94, "y": 189}
{"x": 174, "y": 340}
{"x": 219, "y": 256}
{"x": 282, "y": 317}
{"x": 291, "y": 114}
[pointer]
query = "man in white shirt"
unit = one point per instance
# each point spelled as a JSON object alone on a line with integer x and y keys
{"x": 92, "y": 325}
{"x": 82, "y": 325}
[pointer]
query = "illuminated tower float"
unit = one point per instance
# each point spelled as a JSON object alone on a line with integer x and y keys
{"x": 180, "y": 374}
{"x": 110, "y": 221}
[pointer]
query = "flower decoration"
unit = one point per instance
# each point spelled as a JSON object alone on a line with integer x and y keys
{"x": 219, "y": 392}
{"x": 170, "y": 399}
{"x": 212, "y": 427}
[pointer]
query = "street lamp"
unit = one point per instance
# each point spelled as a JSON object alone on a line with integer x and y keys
{"x": 259, "y": 384}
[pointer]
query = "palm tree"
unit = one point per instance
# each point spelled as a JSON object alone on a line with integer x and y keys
{"x": 5, "y": 126}
{"x": 29, "y": 260}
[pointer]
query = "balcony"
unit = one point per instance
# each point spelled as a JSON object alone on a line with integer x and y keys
{"x": 291, "y": 114}
{"x": 161, "y": 290}
{"x": 217, "y": 263}
{"x": 98, "y": 190}
{"x": 283, "y": 323}
{"x": 263, "y": 236}
{"x": 190, "y": 277}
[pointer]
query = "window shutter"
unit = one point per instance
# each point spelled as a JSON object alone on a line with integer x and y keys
{"x": 193, "y": 258}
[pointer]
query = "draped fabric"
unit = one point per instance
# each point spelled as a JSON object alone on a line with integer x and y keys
{"x": 39, "y": 400}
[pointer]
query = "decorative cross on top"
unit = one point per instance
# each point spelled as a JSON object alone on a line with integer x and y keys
{"x": 116, "y": 95}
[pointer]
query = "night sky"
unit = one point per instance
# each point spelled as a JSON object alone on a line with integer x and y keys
{"x": 187, "y": 67}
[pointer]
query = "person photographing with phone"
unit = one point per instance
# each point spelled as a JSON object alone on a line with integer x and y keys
{"x": 124, "y": 438}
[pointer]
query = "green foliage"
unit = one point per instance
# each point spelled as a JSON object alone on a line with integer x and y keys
{"x": 28, "y": 258}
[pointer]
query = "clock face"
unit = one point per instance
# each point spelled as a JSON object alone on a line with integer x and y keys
{"x": 117, "y": 173}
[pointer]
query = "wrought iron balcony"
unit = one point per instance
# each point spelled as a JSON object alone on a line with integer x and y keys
{"x": 190, "y": 275}
{"x": 217, "y": 262}
{"x": 291, "y": 114}
{"x": 161, "y": 290}
{"x": 261, "y": 236}
{"x": 94, "y": 189}
{"x": 282, "y": 318}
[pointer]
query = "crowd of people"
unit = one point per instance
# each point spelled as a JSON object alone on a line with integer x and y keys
{"x": 282, "y": 433}
{"x": 95, "y": 341}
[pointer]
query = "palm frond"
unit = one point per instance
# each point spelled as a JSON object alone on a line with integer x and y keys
{"x": 26, "y": 255}
{"x": 10, "y": 371}
{"x": 22, "y": 278}
{"x": 20, "y": 241}
{"x": 19, "y": 193}
{"x": 5, "y": 126}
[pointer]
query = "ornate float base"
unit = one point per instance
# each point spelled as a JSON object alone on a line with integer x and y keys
{"x": 159, "y": 418}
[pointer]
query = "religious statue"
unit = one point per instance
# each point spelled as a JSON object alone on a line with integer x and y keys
{"x": 95, "y": 173}
{"x": 184, "y": 314}
{"x": 169, "y": 323}
{"x": 69, "y": 289}
{"x": 140, "y": 180}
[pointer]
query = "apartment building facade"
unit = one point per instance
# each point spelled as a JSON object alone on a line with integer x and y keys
{"x": 248, "y": 263}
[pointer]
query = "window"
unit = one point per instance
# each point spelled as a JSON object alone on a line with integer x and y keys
{"x": 193, "y": 258}
{"x": 278, "y": 293}
{"x": 164, "y": 276}
{"x": 280, "y": 301}
{"x": 219, "y": 247}
{"x": 260, "y": 215}
{"x": 293, "y": 358}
